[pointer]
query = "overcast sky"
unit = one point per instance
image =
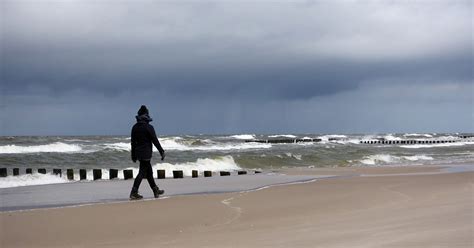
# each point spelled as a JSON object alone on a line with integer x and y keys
{"x": 85, "y": 67}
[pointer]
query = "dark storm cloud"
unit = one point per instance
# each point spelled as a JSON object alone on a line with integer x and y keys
{"x": 241, "y": 50}
{"x": 233, "y": 59}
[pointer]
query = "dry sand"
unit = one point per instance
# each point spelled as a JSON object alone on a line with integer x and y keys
{"x": 389, "y": 211}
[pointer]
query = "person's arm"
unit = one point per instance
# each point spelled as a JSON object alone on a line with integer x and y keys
{"x": 155, "y": 141}
{"x": 133, "y": 144}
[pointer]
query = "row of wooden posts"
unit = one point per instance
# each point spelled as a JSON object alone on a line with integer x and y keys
{"x": 281, "y": 141}
{"x": 406, "y": 141}
{"x": 113, "y": 173}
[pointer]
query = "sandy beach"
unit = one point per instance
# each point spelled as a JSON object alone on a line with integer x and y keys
{"x": 434, "y": 210}
{"x": 279, "y": 124}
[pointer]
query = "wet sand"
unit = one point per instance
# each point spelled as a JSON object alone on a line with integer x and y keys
{"x": 434, "y": 210}
{"x": 112, "y": 191}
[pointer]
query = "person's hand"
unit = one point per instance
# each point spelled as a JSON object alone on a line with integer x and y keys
{"x": 163, "y": 156}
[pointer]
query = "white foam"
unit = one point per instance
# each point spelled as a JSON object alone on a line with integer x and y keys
{"x": 30, "y": 179}
{"x": 218, "y": 146}
{"x": 449, "y": 137}
{"x": 325, "y": 138}
{"x": 438, "y": 145}
{"x": 417, "y": 157}
{"x": 78, "y": 140}
{"x": 173, "y": 144}
{"x": 418, "y": 135}
{"x": 391, "y": 137}
{"x": 282, "y": 135}
{"x": 295, "y": 156}
{"x": 243, "y": 136}
{"x": 373, "y": 159}
{"x": 57, "y": 147}
{"x": 183, "y": 145}
{"x": 224, "y": 163}
{"x": 379, "y": 159}
{"x": 341, "y": 136}
{"x": 347, "y": 141}
{"x": 121, "y": 146}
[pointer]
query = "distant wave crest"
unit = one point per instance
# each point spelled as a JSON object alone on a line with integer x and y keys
{"x": 179, "y": 144}
{"x": 282, "y": 136}
{"x": 243, "y": 136}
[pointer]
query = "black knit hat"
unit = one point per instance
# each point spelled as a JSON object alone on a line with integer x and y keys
{"x": 143, "y": 110}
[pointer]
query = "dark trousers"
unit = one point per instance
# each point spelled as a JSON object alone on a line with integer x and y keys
{"x": 144, "y": 172}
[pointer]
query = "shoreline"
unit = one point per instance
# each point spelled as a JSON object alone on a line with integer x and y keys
{"x": 299, "y": 174}
{"x": 388, "y": 211}
{"x": 78, "y": 193}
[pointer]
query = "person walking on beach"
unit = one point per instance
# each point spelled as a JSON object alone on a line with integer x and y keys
{"x": 143, "y": 137}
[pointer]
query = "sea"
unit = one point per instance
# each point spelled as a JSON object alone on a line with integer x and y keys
{"x": 222, "y": 153}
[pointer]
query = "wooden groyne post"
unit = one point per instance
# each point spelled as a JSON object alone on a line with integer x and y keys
{"x": 113, "y": 173}
{"x": 82, "y": 174}
{"x": 178, "y": 174}
{"x": 97, "y": 174}
{"x": 3, "y": 172}
{"x": 127, "y": 174}
{"x": 284, "y": 141}
{"x": 161, "y": 174}
{"x": 70, "y": 174}
{"x": 57, "y": 172}
{"x": 224, "y": 173}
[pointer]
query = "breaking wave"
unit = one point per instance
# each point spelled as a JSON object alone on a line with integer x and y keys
{"x": 224, "y": 163}
{"x": 418, "y": 146}
{"x": 391, "y": 137}
{"x": 417, "y": 157}
{"x": 380, "y": 159}
{"x": 243, "y": 136}
{"x": 418, "y": 135}
{"x": 53, "y": 147}
{"x": 203, "y": 145}
{"x": 282, "y": 136}
{"x": 30, "y": 179}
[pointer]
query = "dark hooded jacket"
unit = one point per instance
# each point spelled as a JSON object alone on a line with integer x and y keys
{"x": 143, "y": 136}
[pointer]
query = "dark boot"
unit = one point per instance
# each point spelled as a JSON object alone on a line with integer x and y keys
{"x": 157, "y": 191}
{"x": 134, "y": 195}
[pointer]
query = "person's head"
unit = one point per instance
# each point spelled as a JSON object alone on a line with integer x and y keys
{"x": 143, "y": 111}
{"x": 143, "y": 115}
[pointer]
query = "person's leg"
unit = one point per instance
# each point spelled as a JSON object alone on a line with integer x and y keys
{"x": 141, "y": 174}
{"x": 149, "y": 174}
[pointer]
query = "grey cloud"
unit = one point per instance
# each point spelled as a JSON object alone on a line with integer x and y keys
{"x": 234, "y": 59}
{"x": 102, "y": 43}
